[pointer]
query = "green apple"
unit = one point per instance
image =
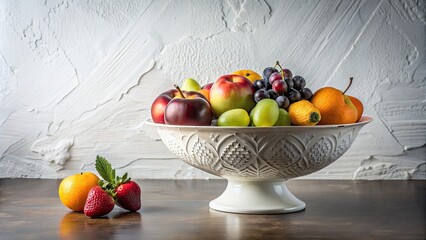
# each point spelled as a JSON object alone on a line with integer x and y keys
{"x": 190, "y": 84}
{"x": 265, "y": 113}
{"x": 283, "y": 118}
{"x": 234, "y": 117}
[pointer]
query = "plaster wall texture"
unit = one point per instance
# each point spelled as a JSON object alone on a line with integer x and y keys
{"x": 77, "y": 78}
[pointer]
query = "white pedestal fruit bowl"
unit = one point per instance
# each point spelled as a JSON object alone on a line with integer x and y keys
{"x": 256, "y": 161}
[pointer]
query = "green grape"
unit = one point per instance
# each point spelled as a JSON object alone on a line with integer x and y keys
{"x": 265, "y": 113}
{"x": 234, "y": 117}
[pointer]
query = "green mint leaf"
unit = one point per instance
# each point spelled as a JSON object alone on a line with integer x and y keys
{"x": 105, "y": 169}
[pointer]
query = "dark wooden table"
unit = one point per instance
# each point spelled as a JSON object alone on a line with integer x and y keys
{"x": 30, "y": 209}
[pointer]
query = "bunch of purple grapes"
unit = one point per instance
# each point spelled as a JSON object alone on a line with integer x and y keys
{"x": 281, "y": 86}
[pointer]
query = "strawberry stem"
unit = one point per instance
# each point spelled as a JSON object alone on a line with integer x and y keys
{"x": 110, "y": 181}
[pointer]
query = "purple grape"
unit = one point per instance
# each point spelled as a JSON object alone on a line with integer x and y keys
{"x": 275, "y": 77}
{"x": 283, "y": 101}
{"x": 272, "y": 94}
{"x": 306, "y": 93}
{"x": 289, "y": 82}
{"x": 287, "y": 73}
{"x": 266, "y": 73}
{"x": 259, "y": 84}
{"x": 214, "y": 122}
{"x": 293, "y": 95}
{"x": 279, "y": 86}
{"x": 299, "y": 82}
{"x": 261, "y": 94}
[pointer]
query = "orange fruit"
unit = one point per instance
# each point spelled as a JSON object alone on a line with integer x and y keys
{"x": 74, "y": 189}
{"x": 206, "y": 93}
{"x": 304, "y": 113}
{"x": 335, "y": 108}
{"x": 249, "y": 74}
{"x": 358, "y": 105}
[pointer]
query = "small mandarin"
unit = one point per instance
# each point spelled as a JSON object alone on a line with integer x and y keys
{"x": 206, "y": 93}
{"x": 249, "y": 74}
{"x": 358, "y": 105}
{"x": 74, "y": 189}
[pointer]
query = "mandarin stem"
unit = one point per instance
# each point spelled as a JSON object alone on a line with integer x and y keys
{"x": 350, "y": 83}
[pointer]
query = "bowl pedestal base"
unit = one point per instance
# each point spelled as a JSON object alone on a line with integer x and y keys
{"x": 257, "y": 197}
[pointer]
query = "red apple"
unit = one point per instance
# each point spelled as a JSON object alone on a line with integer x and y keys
{"x": 230, "y": 92}
{"x": 188, "y": 108}
{"x": 159, "y": 105}
{"x": 208, "y": 86}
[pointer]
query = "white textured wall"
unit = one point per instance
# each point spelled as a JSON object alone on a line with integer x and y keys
{"x": 77, "y": 78}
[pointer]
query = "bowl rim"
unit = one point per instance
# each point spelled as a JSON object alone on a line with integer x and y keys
{"x": 364, "y": 120}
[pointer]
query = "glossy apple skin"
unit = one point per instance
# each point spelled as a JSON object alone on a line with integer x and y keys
{"x": 230, "y": 92}
{"x": 208, "y": 86}
{"x": 159, "y": 105}
{"x": 193, "y": 110}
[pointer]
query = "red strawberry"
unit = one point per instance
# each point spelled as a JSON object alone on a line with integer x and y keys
{"x": 126, "y": 193}
{"x": 98, "y": 202}
{"x": 129, "y": 196}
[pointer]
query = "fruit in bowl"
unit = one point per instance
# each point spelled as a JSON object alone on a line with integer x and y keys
{"x": 265, "y": 113}
{"x": 230, "y": 92}
{"x": 256, "y": 161}
{"x": 160, "y": 103}
{"x": 265, "y": 132}
{"x": 190, "y": 84}
{"x": 249, "y": 74}
{"x": 327, "y": 105}
{"x": 335, "y": 106}
{"x": 234, "y": 117}
{"x": 188, "y": 108}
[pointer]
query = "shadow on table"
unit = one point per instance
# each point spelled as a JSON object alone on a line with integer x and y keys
{"x": 74, "y": 225}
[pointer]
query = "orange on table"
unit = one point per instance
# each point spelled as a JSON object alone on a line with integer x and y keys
{"x": 331, "y": 104}
{"x": 74, "y": 189}
{"x": 358, "y": 105}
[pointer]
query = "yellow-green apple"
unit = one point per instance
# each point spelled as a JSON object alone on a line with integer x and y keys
{"x": 190, "y": 84}
{"x": 188, "y": 108}
{"x": 160, "y": 103}
{"x": 335, "y": 107}
{"x": 230, "y": 92}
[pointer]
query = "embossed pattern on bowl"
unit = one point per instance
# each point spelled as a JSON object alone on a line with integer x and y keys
{"x": 259, "y": 152}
